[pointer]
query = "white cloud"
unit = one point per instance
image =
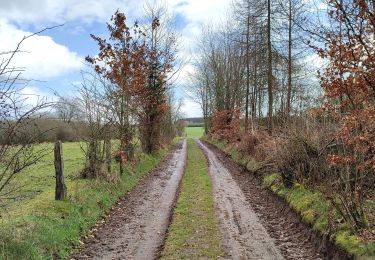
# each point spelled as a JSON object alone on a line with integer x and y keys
{"x": 42, "y": 11}
{"x": 185, "y": 74}
{"x": 34, "y": 96}
{"x": 316, "y": 61}
{"x": 191, "y": 109}
{"x": 197, "y": 13}
{"x": 200, "y": 11}
{"x": 60, "y": 11}
{"x": 40, "y": 56}
{"x": 46, "y": 12}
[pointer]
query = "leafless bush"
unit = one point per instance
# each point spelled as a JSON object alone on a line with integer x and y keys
{"x": 172, "y": 123}
{"x": 258, "y": 145}
{"x": 93, "y": 106}
{"x": 301, "y": 160}
{"x": 353, "y": 183}
{"x": 17, "y": 114}
{"x": 302, "y": 153}
{"x": 247, "y": 144}
{"x": 306, "y": 154}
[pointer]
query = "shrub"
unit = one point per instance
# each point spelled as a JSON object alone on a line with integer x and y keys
{"x": 247, "y": 144}
{"x": 226, "y": 125}
{"x": 301, "y": 159}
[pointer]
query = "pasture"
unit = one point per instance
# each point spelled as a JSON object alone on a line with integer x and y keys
{"x": 36, "y": 226}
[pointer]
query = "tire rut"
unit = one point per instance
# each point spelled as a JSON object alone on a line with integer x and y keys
{"x": 293, "y": 238}
{"x": 136, "y": 226}
{"x": 244, "y": 237}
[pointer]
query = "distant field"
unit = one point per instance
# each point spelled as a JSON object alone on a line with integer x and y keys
{"x": 194, "y": 132}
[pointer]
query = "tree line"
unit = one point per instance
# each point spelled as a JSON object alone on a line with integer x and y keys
{"x": 254, "y": 73}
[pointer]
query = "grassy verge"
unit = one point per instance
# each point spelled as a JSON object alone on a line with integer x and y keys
{"x": 316, "y": 211}
{"x": 41, "y": 228}
{"x": 192, "y": 132}
{"x": 194, "y": 232}
{"x": 314, "y": 208}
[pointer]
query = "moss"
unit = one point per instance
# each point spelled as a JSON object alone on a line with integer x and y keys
{"x": 281, "y": 191}
{"x": 244, "y": 161}
{"x": 315, "y": 209}
{"x": 321, "y": 223}
{"x": 235, "y": 156}
{"x": 349, "y": 242}
{"x": 222, "y": 145}
{"x": 269, "y": 180}
{"x": 301, "y": 199}
{"x": 370, "y": 251}
{"x": 312, "y": 206}
{"x": 253, "y": 165}
{"x": 309, "y": 215}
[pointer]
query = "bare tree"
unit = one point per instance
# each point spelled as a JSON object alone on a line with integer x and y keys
{"x": 67, "y": 109}
{"x": 249, "y": 14}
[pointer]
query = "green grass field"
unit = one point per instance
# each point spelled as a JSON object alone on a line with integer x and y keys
{"x": 194, "y": 132}
{"x": 194, "y": 231}
{"x": 38, "y": 227}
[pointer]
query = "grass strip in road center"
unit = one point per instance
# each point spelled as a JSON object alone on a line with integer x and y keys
{"x": 194, "y": 231}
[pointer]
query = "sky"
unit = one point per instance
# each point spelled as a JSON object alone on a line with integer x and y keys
{"x": 53, "y": 59}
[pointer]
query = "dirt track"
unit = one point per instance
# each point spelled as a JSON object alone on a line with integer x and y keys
{"x": 244, "y": 237}
{"x": 136, "y": 227}
{"x": 254, "y": 223}
{"x": 292, "y": 238}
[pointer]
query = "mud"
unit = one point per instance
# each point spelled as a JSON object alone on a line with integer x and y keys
{"x": 244, "y": 237}
{"x": 291, "y": 236}
{"x": 136, "y": 225}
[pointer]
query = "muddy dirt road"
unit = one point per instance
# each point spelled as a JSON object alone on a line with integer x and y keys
{"x": 244, "y": 237}
{"x": 256, "y": 223}
{"x": 136, "y": 227}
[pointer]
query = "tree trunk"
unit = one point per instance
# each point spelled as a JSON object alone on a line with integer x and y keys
{"x": 289, "y": 93}
{"x": 247, "y": 72}
{"x": 269, "y": 78}
{"x": 108, "y": 156}
{"x": 122, "y": 150}
{"x": 255, "y": 87}
{"x": 61, "y": 191}
{"x": 205, "y": 111}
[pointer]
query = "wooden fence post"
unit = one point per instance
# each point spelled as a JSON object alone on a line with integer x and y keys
{"x": 108, "y": 155}
{"x": 61, "y": 191}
